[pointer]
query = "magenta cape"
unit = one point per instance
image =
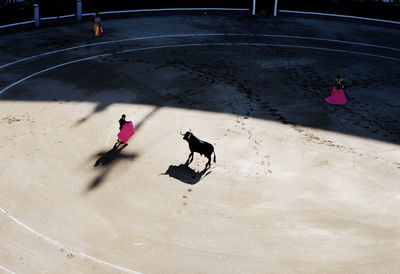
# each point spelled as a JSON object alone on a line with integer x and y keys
{"x": 337, "y": 97}
{"x": 126, "y": 132}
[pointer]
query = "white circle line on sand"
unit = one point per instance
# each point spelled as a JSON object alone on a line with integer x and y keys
{"x": 197, "y": 35}
{"x": 194, "y": 45}
{"x": 6, "y": 269}
{"x": 81, "y": 254}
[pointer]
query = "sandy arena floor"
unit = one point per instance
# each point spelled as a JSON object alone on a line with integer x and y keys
{"x": 298, "y": 186}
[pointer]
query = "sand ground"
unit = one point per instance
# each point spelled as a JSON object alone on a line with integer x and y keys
{"x": 298, "y": 185}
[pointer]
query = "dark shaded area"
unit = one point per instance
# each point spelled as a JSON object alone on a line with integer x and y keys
{"x": 92, "y": 5}
{"x": 107, "y": 160}
{"x": 264, "y": 7}
{"x": 23, "y": 11}
{"x": 186, "y": 174}
{"x": 50, "y": 8}
{"x": 370, "y": 9}
{"x": 15, "y": 12}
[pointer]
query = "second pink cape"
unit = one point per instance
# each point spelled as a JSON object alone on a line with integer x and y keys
{"x": 337, "y": 97}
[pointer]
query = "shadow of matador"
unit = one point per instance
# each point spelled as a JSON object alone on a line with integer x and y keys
{"x": 108, "y": 157}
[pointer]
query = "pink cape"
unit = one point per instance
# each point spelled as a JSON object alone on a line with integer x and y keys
{"x": 337, "y": 97}
{"x": 126, "y": 132}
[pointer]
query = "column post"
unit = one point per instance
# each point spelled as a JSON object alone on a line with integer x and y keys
{"x": 36, "y": 14}
{"x": 254, "y": 8}
{"x": 275, "y": 7}
{"x": 79, "y": 10}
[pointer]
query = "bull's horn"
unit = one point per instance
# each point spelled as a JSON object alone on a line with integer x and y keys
{"x": 190, "y": 130}
{"x": 181, "y": 133}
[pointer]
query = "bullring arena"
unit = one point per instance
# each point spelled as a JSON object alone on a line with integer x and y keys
{"x": 298, "y": 185}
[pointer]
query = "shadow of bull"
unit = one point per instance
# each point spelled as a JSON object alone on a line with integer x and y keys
{"x": 186, "y": 174}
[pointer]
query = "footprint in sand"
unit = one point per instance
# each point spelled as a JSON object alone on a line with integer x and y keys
{"x": 257, "y": 142}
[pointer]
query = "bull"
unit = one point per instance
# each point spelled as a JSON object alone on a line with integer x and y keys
{"x": 199, "y": 146}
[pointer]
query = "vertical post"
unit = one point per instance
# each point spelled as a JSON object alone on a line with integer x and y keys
{"x": 254, "y": 7}
{"x": 36, "y": 13}
{"x": 79, "y": 10}
{"x": 276, "y": 7}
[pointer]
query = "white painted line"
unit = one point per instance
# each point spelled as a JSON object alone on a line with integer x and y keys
{"x": 340, "y": 15}
{"x": 193, "y": 45}
{"x": 51, "y": 68}
{"x": 103, "y": 43}
{"x": 259, "y": 44}
{"x": 330, "y": 40}
{"x": 57, "y": 17}
{"x": 83, "y": 255}
{"x": 48, "y": 18}
{"x": 196, "y": 35}
{"x": 67, "y": 16}
{"x": 16, "y": 24}
{"x": 6, "y": 269}
{"x": 88, "y": 14}
{"x": 337, "y": 50}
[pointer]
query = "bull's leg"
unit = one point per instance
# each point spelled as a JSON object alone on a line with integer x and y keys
{"x": 208, "y": 165}
{"x": 190, "y": 158}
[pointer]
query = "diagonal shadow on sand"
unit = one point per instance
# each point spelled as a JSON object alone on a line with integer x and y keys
{"x": 106, "y": 161}
{"x": 112, "y": 155}
{"x": 186, "y": 174}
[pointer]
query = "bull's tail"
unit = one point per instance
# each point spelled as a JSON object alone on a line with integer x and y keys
{"x": 215, "y": 157}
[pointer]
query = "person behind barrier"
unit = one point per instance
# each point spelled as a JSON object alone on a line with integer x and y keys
{"x": 339, "y": 84}
{"x": 98, "y": 30}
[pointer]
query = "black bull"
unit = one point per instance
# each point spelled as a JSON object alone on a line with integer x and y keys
{"x": 199, "y": 146}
